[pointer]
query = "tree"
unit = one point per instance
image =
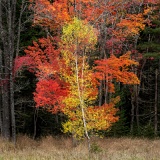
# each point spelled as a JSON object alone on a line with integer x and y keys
{"x": 12, "y": 23}
{"x": 148, "y": 45}
{"x": 78, "y": 39}
{"x": 9, "y": 43}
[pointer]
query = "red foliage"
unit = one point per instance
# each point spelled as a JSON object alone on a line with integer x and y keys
{"x": 44, "y": 60}
{"x": 45, "y": 57}
{"x": 50, "y": 93}
{"x": 20, "y": 62}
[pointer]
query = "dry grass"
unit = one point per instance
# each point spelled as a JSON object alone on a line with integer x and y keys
{"x": 61, "y": 149}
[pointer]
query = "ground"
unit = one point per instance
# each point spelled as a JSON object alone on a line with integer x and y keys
{"x": 50, "y": 148}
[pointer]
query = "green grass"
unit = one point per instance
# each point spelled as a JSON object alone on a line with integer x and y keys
{"x": 61, "y": 149}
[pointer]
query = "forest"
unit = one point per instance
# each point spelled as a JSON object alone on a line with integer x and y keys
{"x": 79, "y": 68}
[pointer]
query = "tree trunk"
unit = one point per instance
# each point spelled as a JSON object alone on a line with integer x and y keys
{"x": 7, "y": 39}
{"x": 35, "y": 123}
{"x": 132, "y": 114}
{"x": 155, "y": 105}
{"x": 1, "y": 128}
{"x": 100, "y": 93}
{"x": 137, "y": 107}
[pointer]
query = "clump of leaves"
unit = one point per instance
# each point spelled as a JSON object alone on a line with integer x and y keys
{"x": 95, "y": 148}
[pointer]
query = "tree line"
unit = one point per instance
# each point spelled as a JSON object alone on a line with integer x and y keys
{"x": 81, "y": 67}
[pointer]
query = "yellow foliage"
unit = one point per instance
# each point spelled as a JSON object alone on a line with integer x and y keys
{"x": 79, "y": 33}
{"x": 78, "y": 38}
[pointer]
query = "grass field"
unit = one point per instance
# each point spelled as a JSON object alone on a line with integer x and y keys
{"x": 61, "y": 149}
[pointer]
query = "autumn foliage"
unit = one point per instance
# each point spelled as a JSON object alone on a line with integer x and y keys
{"x": 116, "y": 69}
{"x": 66, "y": 80}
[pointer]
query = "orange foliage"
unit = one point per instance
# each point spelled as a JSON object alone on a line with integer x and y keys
{"x": 102, "y": 117}
{"x": 131, "y": 25}
{"x": 117, "y": 69}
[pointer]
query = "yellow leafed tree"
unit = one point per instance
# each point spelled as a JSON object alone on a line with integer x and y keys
{"x": 78, "y": 39}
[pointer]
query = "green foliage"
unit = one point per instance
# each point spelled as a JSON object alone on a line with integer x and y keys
{"x": 31, "y": 34}
{"x": 152, "y": 30}
{"x": 121, "y": 127}
{"x": 95, "y": 148}
{"x": 152, "y": 55}
{"x": 148, "y": 131}
{"x": 151, "y": 45}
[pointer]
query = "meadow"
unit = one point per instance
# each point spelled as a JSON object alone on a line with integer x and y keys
{"x": 50, "y": 148}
